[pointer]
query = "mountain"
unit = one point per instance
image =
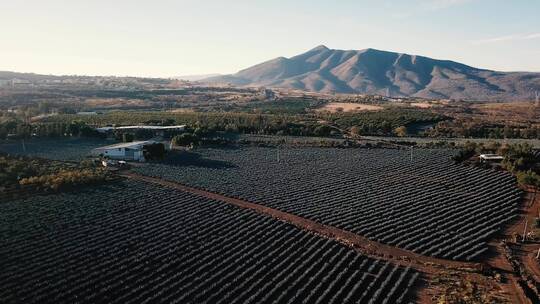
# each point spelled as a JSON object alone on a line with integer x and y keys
{"x": 196, "y": 77}
{"x": 371, "y": 71}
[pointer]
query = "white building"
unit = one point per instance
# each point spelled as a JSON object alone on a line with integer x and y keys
{"x": 486, "y": 158}
{"x": 125, "y": 151}
{"x": 134, "y": 128}
{"x": 156, "y": 130}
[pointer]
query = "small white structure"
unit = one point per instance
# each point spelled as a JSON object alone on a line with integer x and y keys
{"x": 134, "y": 128}
{"x": 485, "y": 158}
{"x": 124, "y": 151}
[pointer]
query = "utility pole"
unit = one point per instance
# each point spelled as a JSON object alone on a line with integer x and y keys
{"x": 525, "y": 230}
{"x": 412, "y": 151}
{"x": 23, "y": 146}
{"x": 537, "y": 102}
{"x": 278, "y": 154}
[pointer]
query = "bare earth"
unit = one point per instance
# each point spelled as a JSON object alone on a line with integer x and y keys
{"x": 348, "y": 107}
{"x": 525, "y": 111}
{"x": 422, "y": 105}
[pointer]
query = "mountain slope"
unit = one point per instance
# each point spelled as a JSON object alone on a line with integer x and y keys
{"x": 373, "y": 71}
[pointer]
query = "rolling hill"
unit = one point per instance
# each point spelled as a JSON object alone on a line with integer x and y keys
{"x": 372, "y": 71}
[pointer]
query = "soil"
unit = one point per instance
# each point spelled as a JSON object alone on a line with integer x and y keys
{"x": 524, "y": 252}
{"x": 348, "y": 107}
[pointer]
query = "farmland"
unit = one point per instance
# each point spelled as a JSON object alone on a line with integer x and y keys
{"x": 72, "y": 149}
{"x": 428, "y": 205}
{"x": 348, "y": 107}
{"x": 132, "y": 242}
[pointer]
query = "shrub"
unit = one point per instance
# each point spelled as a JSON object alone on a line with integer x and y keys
{"x": 65, "y": 179}
{"x": 186, "y": 139}
{"x": 528, "y": 178}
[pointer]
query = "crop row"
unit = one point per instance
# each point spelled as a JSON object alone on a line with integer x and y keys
{"x": 428, "y": 204}
{"x": 133, "y": 242}
{"x": 72, "y": 149}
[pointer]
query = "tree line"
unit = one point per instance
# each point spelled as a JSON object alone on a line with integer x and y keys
{"x": 463, "y": 129}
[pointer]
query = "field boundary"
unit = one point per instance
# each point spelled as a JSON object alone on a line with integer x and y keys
{"x": 426, "y": 264}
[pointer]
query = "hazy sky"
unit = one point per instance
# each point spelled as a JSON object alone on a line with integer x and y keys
{"x": 169, "y": 38}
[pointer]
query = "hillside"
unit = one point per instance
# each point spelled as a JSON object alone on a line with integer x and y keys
{"x": 373, "y": 71}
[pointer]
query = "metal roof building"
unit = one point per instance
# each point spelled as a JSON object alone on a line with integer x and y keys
{"x": 133, "y": 128}
{"x": 124, "y": 151}
{"x": 490, "y": 158}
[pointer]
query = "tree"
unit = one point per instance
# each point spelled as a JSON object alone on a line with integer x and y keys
{"x": 154, "y": 151}
{"x": 401, "y": 131}
{"x": 127, "y": 137}
{"x": 356, "y": 131}
{"x": 528, "y": 178}
{"x": 322, "y": 130}
{"x": 185, "y": 139}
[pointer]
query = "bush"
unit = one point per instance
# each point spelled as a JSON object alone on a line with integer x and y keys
{"x": 401, "y": 131}
{"x": 46, "y": 175}
{"x": 528, "y": 178}
{"x": 65, "y": 179}
{"x": 154, "y": 151}
{"x": 464, "y": 154}
{"x": 186, "y": 139}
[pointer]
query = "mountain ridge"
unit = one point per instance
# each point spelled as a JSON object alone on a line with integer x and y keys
{"x": 378, "y": 72}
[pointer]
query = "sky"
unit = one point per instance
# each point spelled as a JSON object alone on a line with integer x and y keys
{"x": 166, "y": 38}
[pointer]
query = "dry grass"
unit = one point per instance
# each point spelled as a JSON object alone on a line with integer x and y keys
{"x": 509, "y": 111}
{"x": 348, "y": 107}
{"x": 115, "y": 102}
{"x": 422, "y": 105}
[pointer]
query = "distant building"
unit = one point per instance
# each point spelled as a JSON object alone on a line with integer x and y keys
{"x": 134, "y": 128}
{"x": 87, "y": 113}
{"x": 490, "y": 158}
{"x": 133, "y": 151}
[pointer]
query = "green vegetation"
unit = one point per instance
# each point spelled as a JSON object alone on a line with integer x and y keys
{"x": 401, "y": 131}
{"x": 186, "y": 139}
{"x": 461, "y": 129}
{"x": 383, "y": 122}
{"x": 528, "y": 177}
{"x": 367, "y": 123}
{"x": 64, "y": 179}
{"x": 520, "y": 159}
{"x": 15, "y": 128}
{"x": 154, "y": 151}
{"x": 46, "y": 175}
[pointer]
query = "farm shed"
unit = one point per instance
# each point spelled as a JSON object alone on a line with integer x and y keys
{"x": 490, "y": 158}
{"x": 124, "y": 151}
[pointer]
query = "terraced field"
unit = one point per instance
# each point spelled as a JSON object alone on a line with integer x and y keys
{"x": 133, "y": 242}
{"x": 428, "y": 204}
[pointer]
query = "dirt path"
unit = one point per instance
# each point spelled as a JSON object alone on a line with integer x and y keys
{"x": 524, "y": 252}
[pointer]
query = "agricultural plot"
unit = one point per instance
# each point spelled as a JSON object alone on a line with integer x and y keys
{"x": 72, "y": 149}
{"x": 133, "y": 242}
{"x": 428, "y": 205}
